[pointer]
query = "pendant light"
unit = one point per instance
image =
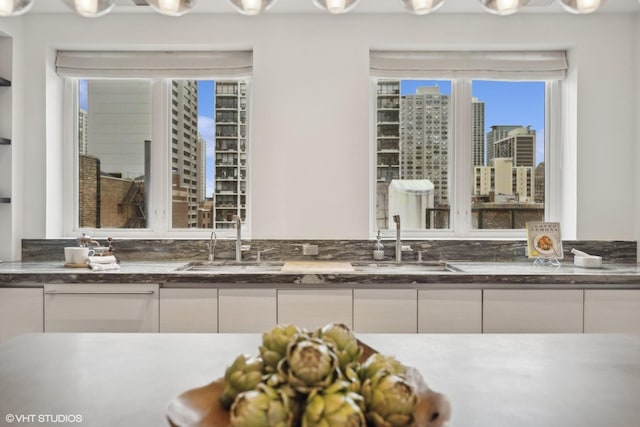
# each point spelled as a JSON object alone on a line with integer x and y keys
{"x": 336, "y": 7}
{"x": 252, "y": 7}
{"x": 14, "y": 7}
{"x": 172, "y": 7}
{"x": 91, "y": 8}
{"x": 422, "y": 7}
{"x": 582, "y": 6}
{"x": 503, "y": 7}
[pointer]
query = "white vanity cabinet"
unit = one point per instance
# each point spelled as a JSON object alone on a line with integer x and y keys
{"x": 188, "y": 310}
{"x": 449, "y": 310}
{"x": 21, "y": 311}
{"x": 385, "y": 310}
{"x": 314, "y": 308}
{"x": 101, "y": 307}
{"x": 615, "y": 310}
{"x": 247, "y": 310}
{"x": 532, "y": 310}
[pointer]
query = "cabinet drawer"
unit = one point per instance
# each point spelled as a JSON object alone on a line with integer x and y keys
{"x": 188, "y": 310}
{"x": 247, "y": 310}
{"x": 101, "y": 308}
{"x": 532, "y": 310}
{"x": 450, "y": 311}
{"x": 314, "y": 308}
{"x": 615, "y": 311}
{"x": 385, "y": 310}
{"x": 20, "y": 311}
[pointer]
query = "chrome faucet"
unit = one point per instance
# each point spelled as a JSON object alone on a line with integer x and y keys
{"x": 396, "y": 219}
{"x": 238, "y": 221}
{"x": 213, "y": 240}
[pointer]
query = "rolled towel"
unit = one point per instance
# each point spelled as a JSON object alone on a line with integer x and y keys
{"x": 108, "y": 259}
{"x": 100, "y": 267}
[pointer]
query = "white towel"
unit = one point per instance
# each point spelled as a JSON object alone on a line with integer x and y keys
{"x": 96, "y": 267}
{"x": 108, "y": 259}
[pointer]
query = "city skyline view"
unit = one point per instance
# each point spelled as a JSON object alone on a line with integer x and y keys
{"x": 506, "y": 103}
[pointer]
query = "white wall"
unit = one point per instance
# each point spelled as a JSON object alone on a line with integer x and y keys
{"x": 311, "y": 125}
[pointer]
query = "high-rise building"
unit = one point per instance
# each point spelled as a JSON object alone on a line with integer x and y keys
{"x": 230, "y": 153}
{"x": 518, "y": 144}
{"x": 186, "y": 147}
{"x": 424, "y": 140}
{"x": 477, "y": 132}
{"x": 83, "y": 127}
{"x": 497, "y": 133}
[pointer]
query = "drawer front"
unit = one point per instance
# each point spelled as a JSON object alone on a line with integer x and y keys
{"x": 101, "y": 308}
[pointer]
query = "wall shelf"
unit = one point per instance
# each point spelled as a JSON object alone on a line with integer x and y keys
{"x": 5, "y": 141}
{"x": 4, "y": 82}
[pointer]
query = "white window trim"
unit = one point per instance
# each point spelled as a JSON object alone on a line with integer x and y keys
{"x": 460, "y": 164}
{"x": 159, "y": 201}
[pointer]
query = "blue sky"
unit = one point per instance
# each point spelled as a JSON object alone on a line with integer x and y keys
{"x": 505, "y": 103}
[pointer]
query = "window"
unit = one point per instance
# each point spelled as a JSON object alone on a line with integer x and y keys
{"x": 156, "y": 154}
{"x": 463, "y": 153}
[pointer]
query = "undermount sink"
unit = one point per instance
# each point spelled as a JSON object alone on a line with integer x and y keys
{"x": 226, "y": 266}
{"x": 373, "y": 266}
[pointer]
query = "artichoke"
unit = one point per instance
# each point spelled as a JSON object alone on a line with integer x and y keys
{"x": 244, "y": 374}
{"x": 310, "y": 364}
{"x": 333, "y": 406}
{"x": 379, "y": 362}
{"x": 344, "y": 340}
{"x": 275, "y": 343}
{"x": 263, "y": 407}
{"x": 389, "y": 400}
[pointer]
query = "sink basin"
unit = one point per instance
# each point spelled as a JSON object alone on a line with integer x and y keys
{"x": 402, "y": 267}
{"x": 231, "y": 266}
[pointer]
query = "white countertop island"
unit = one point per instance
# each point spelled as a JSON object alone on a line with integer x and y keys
{"x": 559, "y": 380}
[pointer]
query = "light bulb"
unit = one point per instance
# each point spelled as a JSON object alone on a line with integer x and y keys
{"x": 14, "y": 7}
{"x": 172, "y": 7}
{"x": 252, "y": 7}
{"x": 503, "y": 7}
{"x": 91, "y": 8}
{"x": 582, "y": 6}
{"x": 169, "y": 6}
{"x": 6, "y": 7}
{"x": 422, "y": 7}
{"x": 87, "y": 7}
{"x": 336, "y": 6}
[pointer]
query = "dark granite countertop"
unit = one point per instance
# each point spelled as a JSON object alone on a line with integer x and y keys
{"x": 407, "y": 275}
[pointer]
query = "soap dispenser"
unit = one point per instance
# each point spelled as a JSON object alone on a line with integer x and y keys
{"x": 378, "y": 249}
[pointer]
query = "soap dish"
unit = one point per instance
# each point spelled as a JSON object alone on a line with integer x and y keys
{"x": 588, "y": 261}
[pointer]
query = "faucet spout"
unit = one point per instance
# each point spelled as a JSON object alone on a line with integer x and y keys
{"x": 396, "y": 219}
{"x": 238, "y": 221}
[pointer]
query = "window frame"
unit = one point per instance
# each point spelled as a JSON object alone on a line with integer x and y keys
{"x": 160, "y": 199}
{"x": 460, "y": 161}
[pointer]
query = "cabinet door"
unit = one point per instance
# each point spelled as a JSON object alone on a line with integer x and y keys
{"x": 247, "y": 310}
{"x": 314, "y": 308}
{"x": 450, "y": 311}
{"x": 385, "y": 310}
{"x": 612, "y": 311}
{"x": 101, "y": 308}
{"x": 532, "y": 310}
{"x": 188, "y": 310}
{"x": 20, "y": 311}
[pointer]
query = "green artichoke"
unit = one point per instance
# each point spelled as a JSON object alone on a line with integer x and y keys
{"x": 344, "y": 340}
{"x": 244, "y": 374}
{"x": 275, "y": 343}
{"x": 389, "y": 400}
{"x": 310, "y": 364}
{"x": 263, "y": 407}
{"x": 333, "y": 406}
{"x": 379, "y": 362}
